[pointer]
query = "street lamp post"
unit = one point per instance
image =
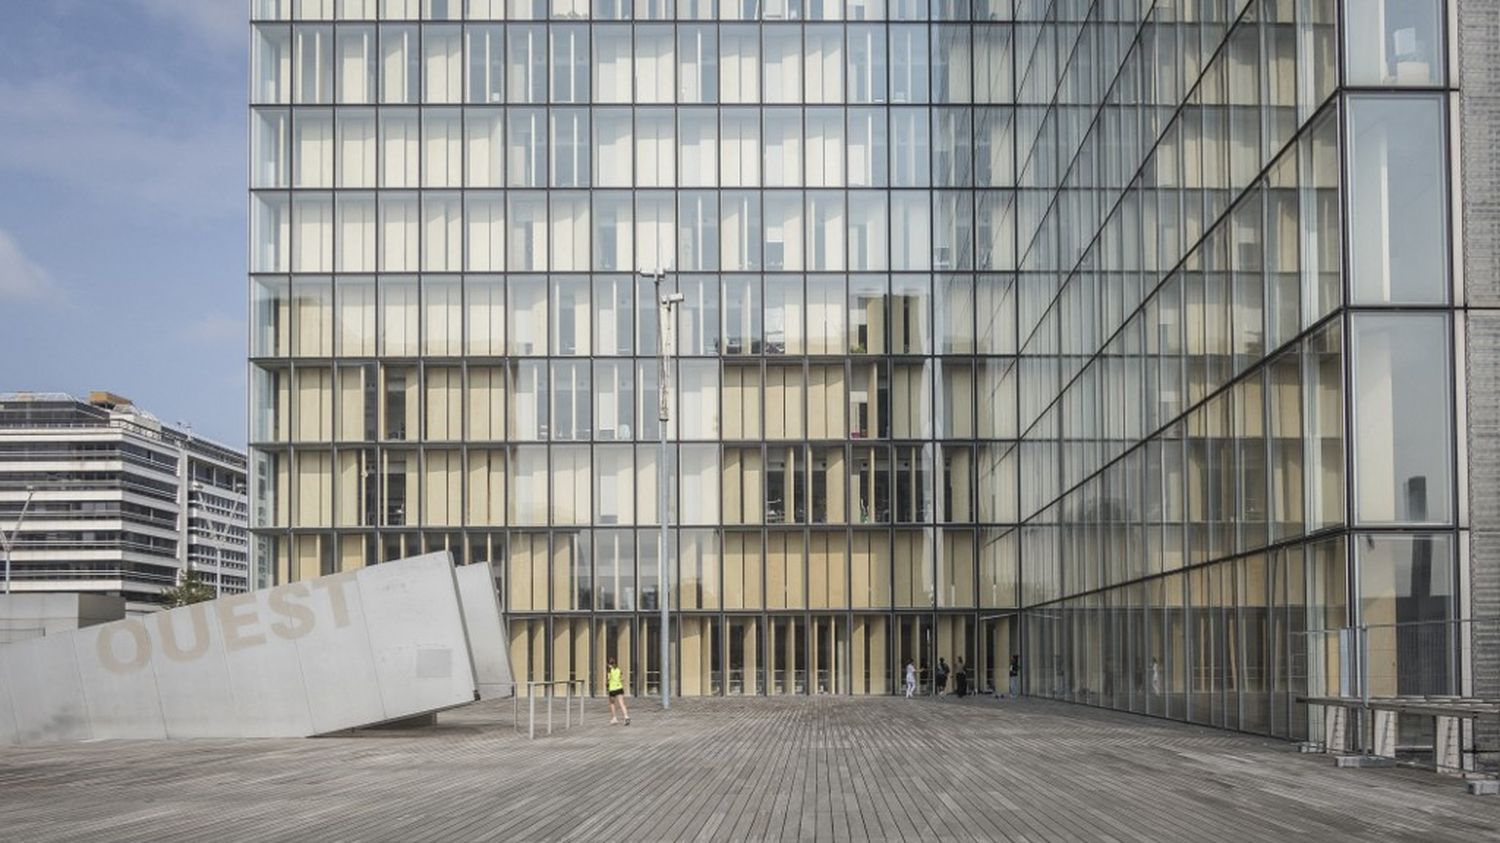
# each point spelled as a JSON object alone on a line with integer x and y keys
{"x": 8, "y": 541}
{"x": 666, "y": 347}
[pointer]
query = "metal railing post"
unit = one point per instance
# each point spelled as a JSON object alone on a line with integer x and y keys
{"x": 571, "y": 688}
{"x": 1365, "y": 716}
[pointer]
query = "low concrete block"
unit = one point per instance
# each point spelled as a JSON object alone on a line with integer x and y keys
{"x": 1449, "y": 744}
{"x": 1363, "y": 761}
{"x": 1334, "y": 721}
{"x": 1385, "y": 734}
{"x": 1483, "y": 787}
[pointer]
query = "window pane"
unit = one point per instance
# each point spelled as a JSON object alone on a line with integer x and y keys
{"x": 1394, "y": 42}
{"x": 612, "y": 147}
{"x": 909, "y": 64}
{"x": 739, "y": 79}
{"x": 570, "y": 64}
{"x": 1322, "y": 373}
{"x": 700, "y": 147}
{"x": 614, "y": 233}
{"x": 442, "y": 64}
{"x": 613, "y": 309}
{"x": 784, "y": 315}
{"x": 357, "y": 64}
{"x": 614, "y": 400}
{"x": 526, "y": 65}
{"x": 1407, "y": 580}
{"x": 782, "y": 51}
{"x": 698, "y": 74}
{"x": 400, "y": 65}
{"x": 572, "y": 401}
{"x": 1397, "y": 199}
{"x": 569, "y": 154}
{"x": 486, "y": 57}
{"x": 612, "y": 64}
{"x": 867, "y": 76}
{"x": 740, "y": 152}
{"x": 526, "y": 148}
{"x": 1402, "y": 424}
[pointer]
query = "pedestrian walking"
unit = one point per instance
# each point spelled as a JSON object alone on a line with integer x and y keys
{"x": 911, "y": 679}
{"x": 960, "y": 678}
{"x": 940, "y": 684}
{"x": 615, "y": 682}
{"x": 1015, "y": 676}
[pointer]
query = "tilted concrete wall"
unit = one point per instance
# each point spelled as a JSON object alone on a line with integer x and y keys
{"x": 354, "y": 649}
{"x": 486, "y": 627}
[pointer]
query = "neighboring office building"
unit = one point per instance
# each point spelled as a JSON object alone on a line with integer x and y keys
{"x": 1119, "y": 335}
{"x": 123, "y": 504}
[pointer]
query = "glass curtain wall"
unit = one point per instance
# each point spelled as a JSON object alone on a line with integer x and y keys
{"x": 1010, "y": 330}
{"x": 454, "y": 349}
{"x": 1236, "y": 369}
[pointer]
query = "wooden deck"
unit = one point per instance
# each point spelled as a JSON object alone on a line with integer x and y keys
{"x": 758, "y": 769}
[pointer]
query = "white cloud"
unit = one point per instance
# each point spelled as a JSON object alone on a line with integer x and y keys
{"x": 20, "y": 277}
{"x": 222, "y": 22}
{"x": 215, "y": 329}
{"x": 57, "y": 127}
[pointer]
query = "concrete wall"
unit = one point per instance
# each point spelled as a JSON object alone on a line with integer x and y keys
{"x": 33, "y": 615}
{"x": 355, "y": 649}
{"x": 1478, "y": 123}
{"x": 486, "y": 630}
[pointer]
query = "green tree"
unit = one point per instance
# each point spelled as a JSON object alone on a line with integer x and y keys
{"x": 190, "y": 590}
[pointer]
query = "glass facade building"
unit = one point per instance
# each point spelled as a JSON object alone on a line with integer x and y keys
{"x": 1116, "y": 336}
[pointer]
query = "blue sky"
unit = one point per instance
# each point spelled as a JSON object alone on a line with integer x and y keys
{"x": 122, "y": 204}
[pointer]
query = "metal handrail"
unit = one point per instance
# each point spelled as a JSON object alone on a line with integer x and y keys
{"x": 1357, "y": 687}
{"x": 547, "y": 685}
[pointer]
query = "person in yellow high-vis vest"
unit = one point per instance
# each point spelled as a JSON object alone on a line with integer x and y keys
{"x": 614, "y": 682}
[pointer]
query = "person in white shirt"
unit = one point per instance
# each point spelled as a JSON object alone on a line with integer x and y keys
{"x": 911, "y": 679}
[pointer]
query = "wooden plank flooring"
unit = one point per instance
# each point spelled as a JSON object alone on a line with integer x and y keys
{"x": 822, "y": 769}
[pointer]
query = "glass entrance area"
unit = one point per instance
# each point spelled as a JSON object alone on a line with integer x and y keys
{"x": 788, "y": 656}
{"x": 746, "y": 656}
{"x": 955, "y": 637}
{"x": 870, "y": 666}
{"x": 649, "y": 658}
{"x": 612, "y": 639}
{"x": 998, "y": 640}
{"x": 702, "y": 661}
{"x": 914, "y": 644}
{"x": 830, "y": 654}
